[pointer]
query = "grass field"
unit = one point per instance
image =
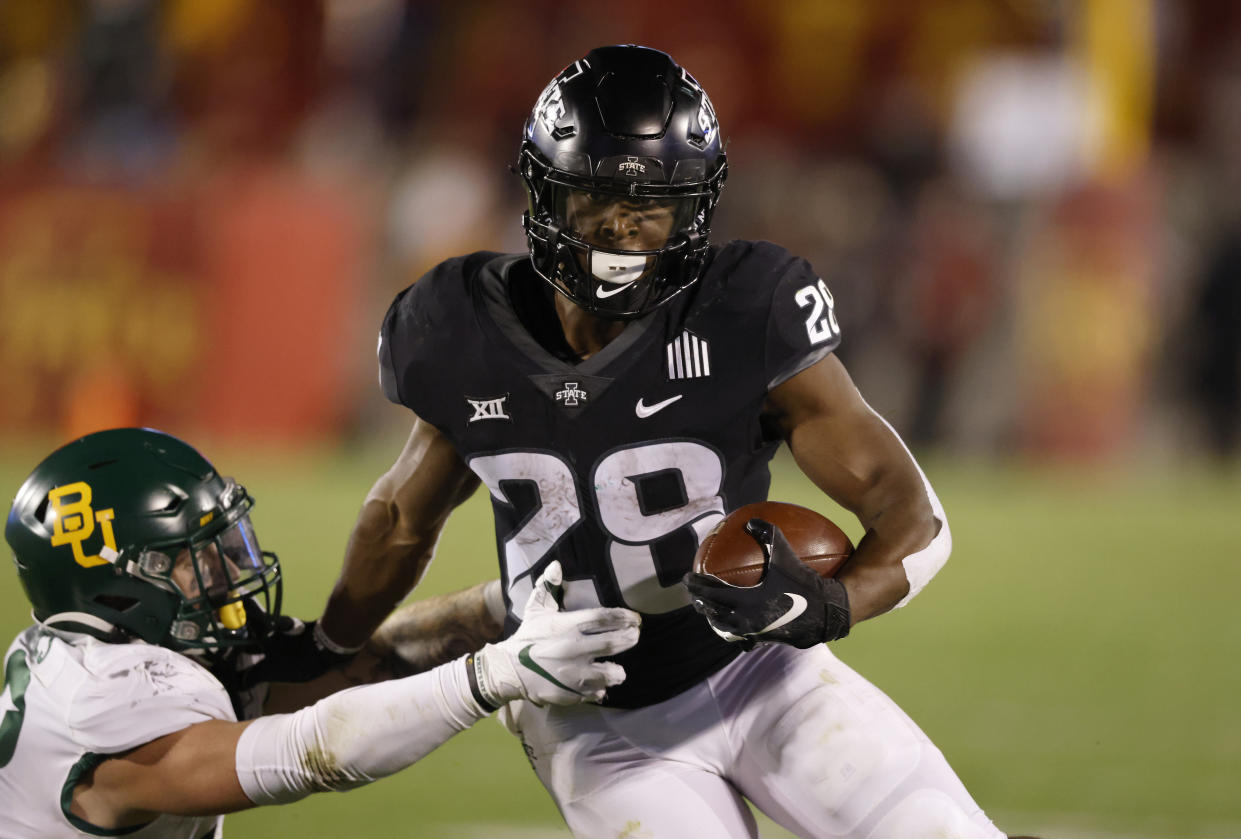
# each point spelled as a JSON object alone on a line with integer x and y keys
{"x": 1078, "y": 660}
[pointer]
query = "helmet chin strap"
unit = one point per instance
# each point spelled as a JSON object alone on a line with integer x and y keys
{"x": 615, "y": 267}
{"x": 80, "y": 618}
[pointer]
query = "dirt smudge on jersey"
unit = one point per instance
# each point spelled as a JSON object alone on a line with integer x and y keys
{"x": 635, "y": 830}
{"x": 163, "y": 675}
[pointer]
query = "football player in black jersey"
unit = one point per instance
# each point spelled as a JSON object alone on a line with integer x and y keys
{"x": 618, "y": 389}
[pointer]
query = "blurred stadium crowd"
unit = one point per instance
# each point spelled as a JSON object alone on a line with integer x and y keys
{"x": 1029, "y": 211}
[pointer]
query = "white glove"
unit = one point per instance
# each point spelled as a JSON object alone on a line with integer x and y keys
{"x": 550, "y": 659}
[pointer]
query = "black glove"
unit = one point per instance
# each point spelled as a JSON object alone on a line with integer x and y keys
{"x": 792, "y": 604}
{"x": 291, "y": 649}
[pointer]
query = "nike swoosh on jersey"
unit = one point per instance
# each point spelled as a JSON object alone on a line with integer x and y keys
{"x": 799, "y": 606}
{"x": 602, "y": 292}
{"x": 643, "y": 410}
{"x": 529, "y": 663}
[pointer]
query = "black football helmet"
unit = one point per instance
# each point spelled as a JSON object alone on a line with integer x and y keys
{"x": 131, "y": 533}
{"x": 623, "y": 164}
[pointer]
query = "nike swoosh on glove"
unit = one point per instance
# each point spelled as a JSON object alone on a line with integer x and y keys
{"x": 791, "y": 604}
{"x": 552, "y": 657}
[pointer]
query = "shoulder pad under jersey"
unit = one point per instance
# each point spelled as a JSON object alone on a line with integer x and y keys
{"x": 131, "y": 694}
{"x": 427, "y": 318}
{"x": 750, "y": 280}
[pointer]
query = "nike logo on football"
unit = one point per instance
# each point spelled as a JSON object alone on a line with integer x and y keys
{"x": 643, "y": 410}
{"x": 603, "y": 292}
{"x": 529, "y": 663}
{"x": 799, "y": 606}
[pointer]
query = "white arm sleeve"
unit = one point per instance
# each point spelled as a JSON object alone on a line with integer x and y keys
{"x": 921, "y": 566}
{"x": 355, "y": 736}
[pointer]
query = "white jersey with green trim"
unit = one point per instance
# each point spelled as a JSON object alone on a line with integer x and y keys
{"x": 68, "y": 702}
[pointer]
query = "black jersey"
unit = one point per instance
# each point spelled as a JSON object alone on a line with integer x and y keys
{"x": 617, "y": 465}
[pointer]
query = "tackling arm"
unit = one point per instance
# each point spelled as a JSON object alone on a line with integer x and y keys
{"x": 358, "y": 735}
{"x": 343, "y": 741}
{"x": 855, "y": 457}
{"x": 395, "y": 535}
{"x": 414, "y": 638}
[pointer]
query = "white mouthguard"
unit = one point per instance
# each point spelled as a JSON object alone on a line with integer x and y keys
{"x": 616, "y": 268}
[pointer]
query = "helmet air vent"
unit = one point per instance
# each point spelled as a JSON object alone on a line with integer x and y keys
{"x": 634, "y": 106}
{"x": 40, "y": 512}
{"x": 103, "y": 463}
{"x": 116, "y": 602}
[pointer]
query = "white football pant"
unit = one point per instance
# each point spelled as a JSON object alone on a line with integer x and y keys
{"x": 811, "y": 743}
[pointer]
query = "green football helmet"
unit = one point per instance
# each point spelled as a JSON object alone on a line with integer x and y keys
{"x": 132, "y": 533}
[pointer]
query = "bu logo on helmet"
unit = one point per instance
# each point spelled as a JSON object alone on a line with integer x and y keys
{"x": 74, "y": 523}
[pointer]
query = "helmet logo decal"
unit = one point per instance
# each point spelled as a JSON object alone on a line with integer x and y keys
{"x": 632, "y": 166}
{"x": 707, "y": 122}
{"x": 74, "y": 523}
{"x": 550, "y": 107}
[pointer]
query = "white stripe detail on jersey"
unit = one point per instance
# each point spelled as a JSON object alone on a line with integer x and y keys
{"x": 689, "y": 357}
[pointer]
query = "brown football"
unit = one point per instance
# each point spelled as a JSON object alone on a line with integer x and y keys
{"x": 730, "y": 554}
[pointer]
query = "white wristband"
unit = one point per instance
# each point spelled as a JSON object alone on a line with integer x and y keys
{"x": 355, "y": 736}
{"x": 326, "y": 643}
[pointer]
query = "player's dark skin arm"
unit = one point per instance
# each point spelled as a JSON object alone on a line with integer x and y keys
{"x": 415, "y": 638}
{"x": 430, "y": 632}
{"x": 850, "y": 454}
{"x": 405, "y": 511}
{"x": 395, "y": 534}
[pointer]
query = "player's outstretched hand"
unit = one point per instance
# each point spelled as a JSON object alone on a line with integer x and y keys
{"x": 551, "y": 658}
{"x": 792, "y": 604}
